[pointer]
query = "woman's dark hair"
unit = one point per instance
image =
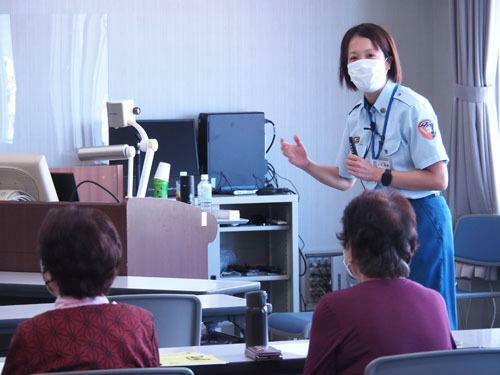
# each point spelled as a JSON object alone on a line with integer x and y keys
{"x": 81, "y": 249}
{"x": 381, "y": 39}
{"x": 380, "y": 228}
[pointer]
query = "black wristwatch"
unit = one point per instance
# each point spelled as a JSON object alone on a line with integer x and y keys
{"x": 386, "y": 177}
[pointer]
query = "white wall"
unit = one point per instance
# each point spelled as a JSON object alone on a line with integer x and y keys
{"x": 177, "y": 58}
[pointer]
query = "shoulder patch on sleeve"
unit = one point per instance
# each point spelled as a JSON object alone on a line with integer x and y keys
{"x": 356, "y": 106}
{"x": 426, "y": 129}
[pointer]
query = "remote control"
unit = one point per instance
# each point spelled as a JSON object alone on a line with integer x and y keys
{"x": 352, "y": 146}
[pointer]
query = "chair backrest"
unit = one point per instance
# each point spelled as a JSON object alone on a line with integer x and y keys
{"x": 477, "y": 239}
{"x": 130, "y": 371}
{"x": 177, "y": 317}
{"x": 443, "y": 362}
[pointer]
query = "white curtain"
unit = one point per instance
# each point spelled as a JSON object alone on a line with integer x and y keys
{"x": 7, "y": 82}
{"x": 474, "y": 155}
{"x": 61, "y": 66}
{"x": 78, "y": 81}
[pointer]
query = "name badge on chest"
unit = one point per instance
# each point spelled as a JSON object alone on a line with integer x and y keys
{"x": 382, "y": 163}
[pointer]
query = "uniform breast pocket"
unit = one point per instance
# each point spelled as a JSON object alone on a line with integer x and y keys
{"x": 390, "y": 154}
{"x": 390, "y": 148}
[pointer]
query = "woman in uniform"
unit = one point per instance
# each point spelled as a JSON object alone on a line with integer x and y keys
{"x": 392, "y": 141}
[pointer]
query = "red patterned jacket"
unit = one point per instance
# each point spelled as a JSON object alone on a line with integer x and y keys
{"x": 84, "y": 338}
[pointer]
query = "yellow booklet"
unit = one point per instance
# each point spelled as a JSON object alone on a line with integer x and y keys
{"x": 188, "y": 359}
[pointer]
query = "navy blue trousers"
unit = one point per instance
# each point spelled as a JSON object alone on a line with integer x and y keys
{"x": 433, "y": 265}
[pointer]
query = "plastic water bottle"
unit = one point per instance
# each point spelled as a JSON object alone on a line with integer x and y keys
{"x": 256, "y": 331}
{"x": 205, "y": 193}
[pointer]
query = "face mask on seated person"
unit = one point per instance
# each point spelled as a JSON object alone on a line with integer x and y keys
{"x": 348, "y": 267}
{"x": 47, "y": 279}
{"x": 368, "y": 75}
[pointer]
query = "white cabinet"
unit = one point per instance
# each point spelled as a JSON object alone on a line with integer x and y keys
{"x": 274, "y": 247}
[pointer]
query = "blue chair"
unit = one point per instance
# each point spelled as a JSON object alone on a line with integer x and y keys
{"x": 131, "y": 371}
{"x": 291, "y": 324}
{"x": 297, "y": 325}
{"x": 477, "y": 243}
{"x": 177, "y": 317}
{"x": 443, "y": 362}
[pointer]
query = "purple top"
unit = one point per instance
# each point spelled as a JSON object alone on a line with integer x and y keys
{"x": 353, "y": 326}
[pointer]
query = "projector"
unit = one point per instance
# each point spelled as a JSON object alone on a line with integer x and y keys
{"x": 121, "y": 113}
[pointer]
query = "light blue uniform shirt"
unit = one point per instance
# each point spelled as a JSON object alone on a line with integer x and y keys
{"x": 412, "y": 140}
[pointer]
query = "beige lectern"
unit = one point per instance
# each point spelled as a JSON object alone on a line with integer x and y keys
{"x": 160, "y": 237}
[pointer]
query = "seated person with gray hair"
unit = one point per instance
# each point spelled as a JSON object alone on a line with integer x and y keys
{"x": 80, "y": 251}
{"x": 385, "y": 313}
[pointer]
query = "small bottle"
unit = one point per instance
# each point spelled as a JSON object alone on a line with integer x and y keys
{"x": 204, "y": 193}
{"x": 256, "y": 331}
{"x": 186, "y": 184}
{"x": 178, "y": 186}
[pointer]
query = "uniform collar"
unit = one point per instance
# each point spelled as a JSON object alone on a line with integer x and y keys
{"x": 383, "y": 99}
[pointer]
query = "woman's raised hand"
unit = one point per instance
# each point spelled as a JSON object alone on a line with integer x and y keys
{"x": 296, "y": 153}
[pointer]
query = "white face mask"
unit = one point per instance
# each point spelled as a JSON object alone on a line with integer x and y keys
{"x": 48, "y": 280}
{"x": 369, "y": 75}
{"x": 346, "y": 265}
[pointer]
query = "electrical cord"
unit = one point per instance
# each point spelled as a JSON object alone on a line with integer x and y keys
{"x": 296, "y": 191}
{"x": 494, "y": 307}
{"x": 325, "y": 283}
{"x": 259, "y": 182}
{"x": 302, "y": 274}
{"x": 94, "y": 183}
{"x": 221, "y": 185}
{"x": 274, "y": 134}
{"x": 274, "y": 175}
{"x": 302, "y": 256}
{"x": 303, "y": 301}
{"x": 272, "y": 172}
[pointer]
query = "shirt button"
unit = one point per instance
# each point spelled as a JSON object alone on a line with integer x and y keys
{"x": 382, "y": 110}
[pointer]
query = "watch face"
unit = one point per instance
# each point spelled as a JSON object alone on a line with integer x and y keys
{"x": 386, "y": 177}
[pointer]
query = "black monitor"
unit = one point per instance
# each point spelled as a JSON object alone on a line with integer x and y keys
{"x": 176, "y": 146}
{"x": 232, "y": 149}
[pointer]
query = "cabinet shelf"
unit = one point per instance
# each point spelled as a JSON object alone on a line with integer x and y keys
{"x": 273, "y": 245}
{"x": 257, "y": 278}
{"x": 252, "y": 228}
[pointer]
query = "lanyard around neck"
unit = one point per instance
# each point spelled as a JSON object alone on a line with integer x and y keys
{"x": 374, "y": 129}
